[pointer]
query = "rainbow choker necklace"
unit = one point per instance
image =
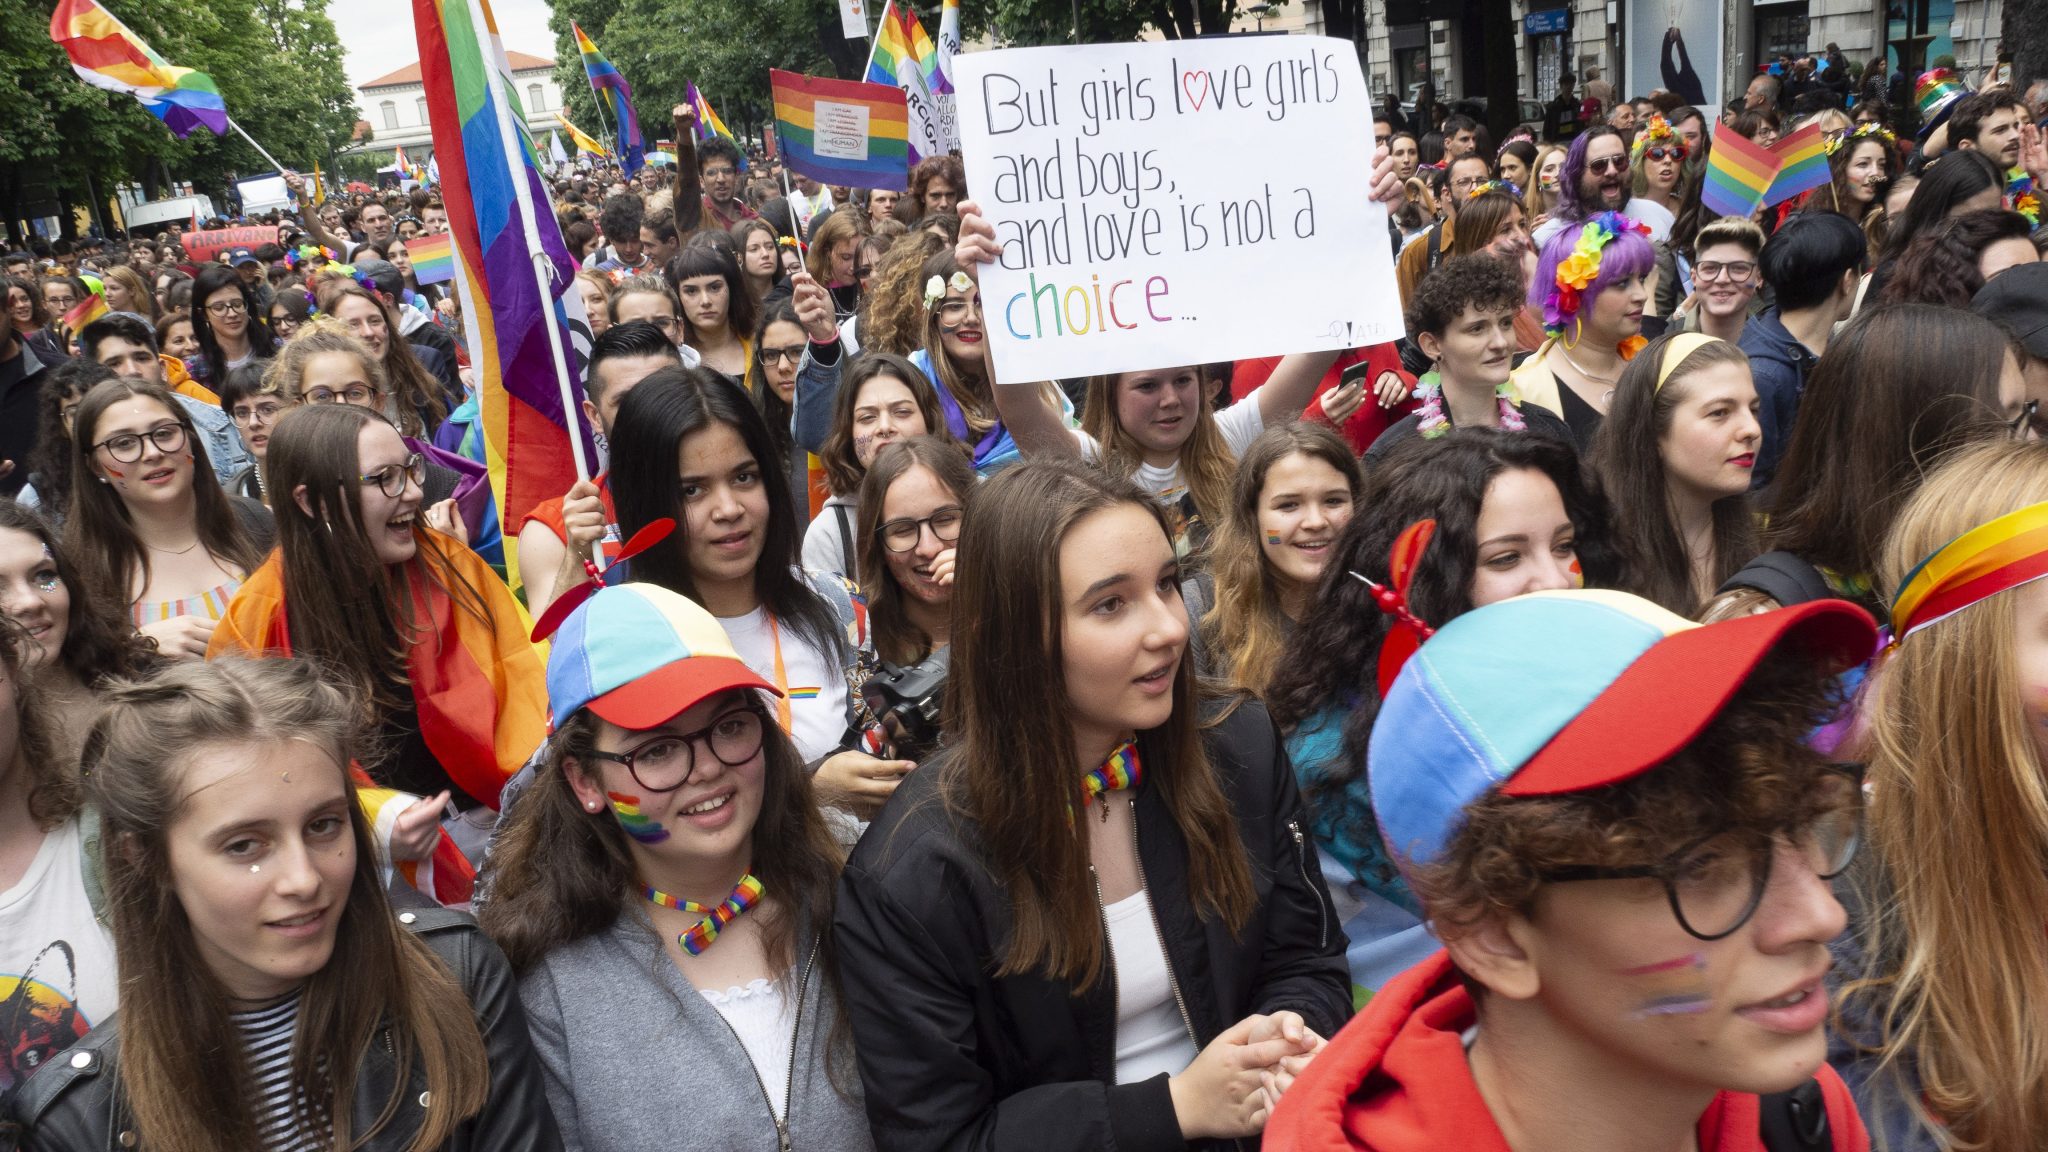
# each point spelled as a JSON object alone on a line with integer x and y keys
{"x": 696, "y": 939}
{"x": 1118, "y": 773}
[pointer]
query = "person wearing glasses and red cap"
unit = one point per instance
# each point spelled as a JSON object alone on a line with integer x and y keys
{"x": 1627, "y": 857}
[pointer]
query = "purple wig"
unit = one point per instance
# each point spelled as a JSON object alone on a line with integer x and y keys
{"x": 1571, "y": 176}
{"x": 1629, "y": 254}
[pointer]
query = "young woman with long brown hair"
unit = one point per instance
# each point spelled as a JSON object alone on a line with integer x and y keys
{"x": 418, "y": 402}
{"x": 664, "y": 890}
{"x": 883, "y": 399}
{"x": 1296, "y": 489}
{"x": 1093, "y": 921}
{"x": 149, "y": 528}
{"x": 250, "y": 924}
{"x": 1945, "y": 963}
{"x": 416, "y": 625}
{"x": 914, "y": 502}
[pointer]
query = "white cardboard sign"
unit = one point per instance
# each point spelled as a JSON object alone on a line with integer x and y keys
{"x": 1172, "y": 203}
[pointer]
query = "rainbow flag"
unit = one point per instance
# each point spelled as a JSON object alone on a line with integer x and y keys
{"x": 85, "y": 312}
{"x": 498, "y": 214}
{"x": 612, "y": 91}
{"x": 842, "y": 131}
{"x": 105, "y": 54}
{"x": 708, "y": 123}
{"x": 433, "y": 257}
{"x": 581, "y": 139}
{"x": 906, "y": 59}
{"x": 1739, "y": 172}
{"x": 1803, "y": 164}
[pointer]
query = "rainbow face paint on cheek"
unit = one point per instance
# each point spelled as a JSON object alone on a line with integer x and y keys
{"x": 1674, "y": 987}
{"x": 1578, "y": 575}
{"x": 636, "y": 824}
{"x": 1273, "y": 538}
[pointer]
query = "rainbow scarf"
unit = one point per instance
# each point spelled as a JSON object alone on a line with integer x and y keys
{"x": 695, "y": 940}
{"x": 1121, "y": 771}
{"x": 1988, "y": 559}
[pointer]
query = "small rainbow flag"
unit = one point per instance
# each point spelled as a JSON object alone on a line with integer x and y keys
{"x": 85, "y": 312}
{"x": 433, "y": 257}
{"x": 842, "y": 131}
{"x": 1739, "y": 172}
{"x": 105, "y": 54}
{"x": 804, "y": 693}
{"x": 1803, "y": 160}
{"x": 708, "y": 123}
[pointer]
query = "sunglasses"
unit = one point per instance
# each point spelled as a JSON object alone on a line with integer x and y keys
{"x": 1664, "y": 152}
{"x": 1607, "y": 164}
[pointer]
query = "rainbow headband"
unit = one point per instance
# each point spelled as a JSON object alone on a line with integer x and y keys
{"x": 1578, "y": 271}
{"x": 1988, "y": 559}
{"x": 1870, "y": 131}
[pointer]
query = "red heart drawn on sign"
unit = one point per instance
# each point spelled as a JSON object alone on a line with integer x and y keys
{"x": 1186, "y": 86}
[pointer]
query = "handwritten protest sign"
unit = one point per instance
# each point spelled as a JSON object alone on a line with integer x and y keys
{"x": 201, "y": 247}
{"x": 1175, "y": 203}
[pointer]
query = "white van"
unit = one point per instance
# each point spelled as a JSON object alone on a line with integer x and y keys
{"x": 158, "y": 215}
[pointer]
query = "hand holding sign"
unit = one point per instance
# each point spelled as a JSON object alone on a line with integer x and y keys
{"x": 1118, "y": 241}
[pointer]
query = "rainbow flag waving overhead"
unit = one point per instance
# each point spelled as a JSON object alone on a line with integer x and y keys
{"x": 612, "y": 91}
{"x": 1739, "y": 172}
{"x": 708, "y": 123}
{"x": 842, "y": 131}
{"x": 1804, "y": 159}
{"x": 905, "y": 58}
{"x": 581, "y": 139}
{"x": 527, "y": 380}
{"x": 105, "y": 54}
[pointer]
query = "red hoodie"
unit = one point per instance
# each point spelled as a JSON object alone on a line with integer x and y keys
{"x": 1396, "y": 1080}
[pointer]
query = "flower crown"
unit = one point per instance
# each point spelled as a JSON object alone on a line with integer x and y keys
{"x": 1579, "y": 270}
{"x": 309, "y": 253}
{"x": 802, "y": 249}
{"x": 1517, "y": 134}
{"x": 1657, "y": 131}
{"x": 1494, "y": 186}
{"x": 935, "y": 288}
{"x": 1870, "y": 131}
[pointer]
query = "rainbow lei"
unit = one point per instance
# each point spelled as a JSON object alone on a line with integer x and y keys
{"x": 745, "y": 895}
{"x": 1578, "y": 271}
{"x": 1431, "y": 421}
{"x": 2021, "y": 197}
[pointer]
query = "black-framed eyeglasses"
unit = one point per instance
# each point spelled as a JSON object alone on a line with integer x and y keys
{"x": 1607, "y": 164}
{"x": 227, "y": 307}
{"x": 903, "y": 535}
{"x": 2023, "y": 423}
{"x": 126, "y": 448}
{"x": 665, "y": 762}
{"x": 1734, "y": 270}
{"x": 359, "y": 395}
{"x": 1716, "y": 883}
{"x": 391, "y": 479}
{"x": 773, "y": 356}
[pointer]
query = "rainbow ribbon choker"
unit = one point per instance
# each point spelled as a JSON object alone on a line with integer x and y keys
{"x": 1988, "y": 559}
{"x": 695, "y": 940}
{"x": 1118, "y": 773}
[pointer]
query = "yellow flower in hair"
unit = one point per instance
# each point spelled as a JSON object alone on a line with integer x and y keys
{"x": 1578, "y": 270}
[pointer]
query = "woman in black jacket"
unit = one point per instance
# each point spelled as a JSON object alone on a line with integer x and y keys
{"x": 270, "y": 998}
{"x": 1095, "y": 921}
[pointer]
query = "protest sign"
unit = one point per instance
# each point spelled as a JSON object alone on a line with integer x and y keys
{"x": 203, "y": 246}
{"x": 1173, "y": 203}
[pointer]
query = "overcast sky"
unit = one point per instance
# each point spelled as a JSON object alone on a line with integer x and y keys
{"x": 378, "y": 34}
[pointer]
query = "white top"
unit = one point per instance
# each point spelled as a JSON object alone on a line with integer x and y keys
{"x": 1646, "y": 212}
{"x": 1240, "y": 424}
{"x": 49, "y": 936}
{"x": 756, "y": 1015}
{"x": 1151, "y": 1037}
{"x": 817, "y": 686}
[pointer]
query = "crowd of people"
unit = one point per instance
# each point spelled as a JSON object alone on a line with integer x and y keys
{"x": 1609, "y": 716}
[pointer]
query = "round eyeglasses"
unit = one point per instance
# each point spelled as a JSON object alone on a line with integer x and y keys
{"x": 666, "y": 761}
{"x": 126, "y": 448}
{"x": 903, "y": 535}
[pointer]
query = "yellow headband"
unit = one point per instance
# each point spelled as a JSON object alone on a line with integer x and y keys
{"x": 1682, "y": 345}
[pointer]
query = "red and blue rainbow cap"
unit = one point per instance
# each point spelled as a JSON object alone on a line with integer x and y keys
{"x": 1560, "y": 692}
{"x": 638, "y": 655}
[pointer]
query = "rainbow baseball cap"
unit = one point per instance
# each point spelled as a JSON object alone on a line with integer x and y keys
{"x": 1559, "y": 692}
{"x": 638, "y": 654}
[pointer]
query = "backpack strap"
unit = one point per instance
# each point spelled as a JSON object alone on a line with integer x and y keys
{"x": 1781, "y": 576}
{"x": 1795, "y": 1121}
{"x": 845, "y": 540}
{"x": 1436, "y": 245}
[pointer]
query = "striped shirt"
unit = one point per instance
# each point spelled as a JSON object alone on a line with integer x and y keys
{"x": 267, "y": 1042}
{"x": 212, "y": 604}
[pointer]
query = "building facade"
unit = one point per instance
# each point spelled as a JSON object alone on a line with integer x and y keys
{"x": 395, "y": 105}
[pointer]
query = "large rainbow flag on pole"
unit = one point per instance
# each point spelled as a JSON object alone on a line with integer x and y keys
{"x": 612, "y": 91}
{"x": 514, "y": 268}
{"x": 105, "y": 54}
{"x": 841, "y": 131}
{"x": 905, "y": 58}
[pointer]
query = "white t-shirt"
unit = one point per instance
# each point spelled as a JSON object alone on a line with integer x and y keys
{"x": 814, "y": 680}
{"x": 49, "y": 937}
{"x": 1151, "y": 1037}
{"x": 1240, "y": 424}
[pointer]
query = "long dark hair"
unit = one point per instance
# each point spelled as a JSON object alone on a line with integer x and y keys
{"x": 1947, "y": 181}
{"x": 706, "y": 259}
{"x": 49, "y": 462}
{"x": 897, "y": 640}
{"x": 774, "y": 409}
{"x": 1011, "y": 770}
{"x": 53, "y": 793}
{"x": 1628, "y": 463}
{"x": 37, "y": 315}
{"x": 1901, "y": 387}
{"x": 98, "y": 640}
{"x": 1941, "y": 266}
{"x": 211, "y": 279}
{"x": 99, "y": 534}
{"x": 1336, "y": 662}
{"x": 843, "y": 469}
{"x": 380, "y": 977}
{"x": 647, "y": 437}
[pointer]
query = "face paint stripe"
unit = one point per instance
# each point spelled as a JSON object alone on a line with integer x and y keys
{"x": 1674, "y": 987}
{"x": 637, "y": 825}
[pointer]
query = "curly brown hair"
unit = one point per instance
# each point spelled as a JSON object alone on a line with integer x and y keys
{"x": 1752, "y": 770}
{"x": 895, "y": 311}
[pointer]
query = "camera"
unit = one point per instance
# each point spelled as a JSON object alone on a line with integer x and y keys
{"x": 911, "y": 694}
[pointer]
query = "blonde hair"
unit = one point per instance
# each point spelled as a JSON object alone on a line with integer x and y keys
{"x": 1959, "y": 963}
{"x": 1537, "y": 200}
{"x": 319, "y": 334}
{"x": 1206, "y": 463}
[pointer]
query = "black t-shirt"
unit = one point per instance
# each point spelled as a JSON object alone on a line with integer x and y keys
{"x": 1561, "y": 119}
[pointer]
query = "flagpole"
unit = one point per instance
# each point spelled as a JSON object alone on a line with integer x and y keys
{"x": 875, "y": 41}
{"x": 253, "y": 144}
{"x": 542, "y": 265}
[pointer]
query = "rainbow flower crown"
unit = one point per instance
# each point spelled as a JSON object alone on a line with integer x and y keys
{"x": 1870, "y": 131}
{"x": 1578, "y": 271}
{"x": 1494, "y": 186}
{"x": 1657, "y": 131}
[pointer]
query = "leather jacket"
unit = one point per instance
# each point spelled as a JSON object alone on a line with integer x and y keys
{"x": 73, "y": 1104}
